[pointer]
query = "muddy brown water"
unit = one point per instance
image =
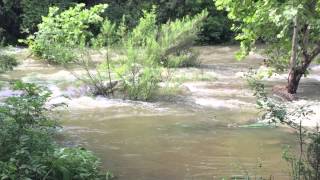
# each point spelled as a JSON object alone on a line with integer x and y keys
{"x": 195, "y": 137}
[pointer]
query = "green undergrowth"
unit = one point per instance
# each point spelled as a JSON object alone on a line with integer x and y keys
{"x": 27, "y": 146}
{"x": 143, "y": 50}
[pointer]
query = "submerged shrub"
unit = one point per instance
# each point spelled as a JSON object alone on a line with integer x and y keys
{"x": 150, "y": 47}
{"x": 176, "y": 39}
{"x": 7, "y": 62}
{"x": 27, "y": 148}
{"x": 145, "y": 50}
{"x": 305, "y": 163}
{"x": 139, "y": 70}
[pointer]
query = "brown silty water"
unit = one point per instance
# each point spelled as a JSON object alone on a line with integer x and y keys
{"x": 197, "y": 134}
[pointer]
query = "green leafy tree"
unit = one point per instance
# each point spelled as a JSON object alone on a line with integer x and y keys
{"x": 290, "y": 28}
{"x": 9, "y": 20}
{"x": 144, "y": 50}
{"x": 19, "y": 18}
{"x": 59, "y": 33}
{"x": 215, "y": 28}
{"x": 33, "y": 10}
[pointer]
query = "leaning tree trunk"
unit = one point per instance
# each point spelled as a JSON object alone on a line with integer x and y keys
{"x": 294, "y": 74}
{"x": 297, "y": 70}
{"x": 293, "y": 80}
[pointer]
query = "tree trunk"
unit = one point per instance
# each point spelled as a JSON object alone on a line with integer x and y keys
{"x": 297, "y": 70}
{"x": 293, "y": 80}
{"x": 294, "y": 74}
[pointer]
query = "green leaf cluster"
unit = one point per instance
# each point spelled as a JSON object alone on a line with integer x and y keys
{"x": 60, "y": 33}
{"x": 19, "y": 18}
{"x": 150, "y": 47}
{"x": 27, "y": 148}
{"x": 271, "y": 22}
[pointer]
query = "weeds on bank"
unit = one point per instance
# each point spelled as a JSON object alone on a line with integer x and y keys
{"x": 305, "y": 163}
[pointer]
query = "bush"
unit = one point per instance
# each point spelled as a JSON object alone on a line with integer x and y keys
{"x": 150, "y": 47}
{"x": 61, "y": 33}
{"x": 19, "y": 18}
{"x": 33, "y": 10}
{"x": 139, "y": 70}
{"x": 215, "y": 29}
{"x": 145, "y": 51}
{"x": 74, "y": 163}
{"x": 176, "y": 39}
{"x": 27, "y": 149}
{"x": 304, "y": 164}
{"x": 7, "y": 62}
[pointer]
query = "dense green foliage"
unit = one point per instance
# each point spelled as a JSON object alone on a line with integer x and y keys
{"x": 33, "y": 10}
{"x": 215, "y": 29}
{"x": 289, "y": 28}
{"x": 27, "y": 149}
{"x": 59, "y": 34}
{"x": 145, "y": 49}
{"x": 19, "y": 18}
{"x": 150, "y": 47}
{"x": 272, "y": 21}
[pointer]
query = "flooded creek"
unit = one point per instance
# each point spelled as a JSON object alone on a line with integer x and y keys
{"x": 197, "y": 138}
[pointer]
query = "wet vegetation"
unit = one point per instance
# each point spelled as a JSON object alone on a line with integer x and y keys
{"x": 305, "y": 163}
{"x": 145, "y": 54}
{"x": 146, "y": 49}
{"x": 7, "y": 62}
{"x": 28, "y": 150}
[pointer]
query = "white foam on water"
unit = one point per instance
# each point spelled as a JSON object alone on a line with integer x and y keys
{"x": 79, "y": 130}
{"x": 312, "y": 119}
{"x": 5, "y": 93}
{"x": 281, "y": 77}
{"x": 240, "y": 74}
{"x": 89, "y": 102}
{"x": 218, "y": 103}
{"x": 193, "y": 87}
{"x": 86, "y": 102}
{"x": 56, "y": 91}
{"x": 200, "y": 89}
{"x": 14, "y": 50}
{"x": 315, "y": 68}
{"x": 31, "y": 64}
{"x": 58, "y": 96}
{"x": 314, "y": 77}
{"x": 61, "y": 75}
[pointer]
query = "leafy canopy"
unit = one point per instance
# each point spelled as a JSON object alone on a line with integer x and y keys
{"x": 271, "y": 21}
{"x": 59, "y": 33}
